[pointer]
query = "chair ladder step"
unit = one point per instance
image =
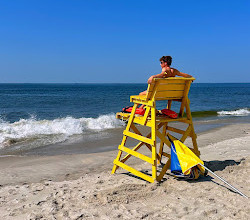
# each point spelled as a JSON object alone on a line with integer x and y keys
{"x": 134, "y": 171}
{"x": 138, "y": 137}
{"x": 136, "y": 154}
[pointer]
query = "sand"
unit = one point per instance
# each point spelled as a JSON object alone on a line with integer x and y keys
{"x": 81, "y": 186}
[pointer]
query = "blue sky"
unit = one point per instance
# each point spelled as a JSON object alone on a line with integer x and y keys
{"x": 122, "y": 41}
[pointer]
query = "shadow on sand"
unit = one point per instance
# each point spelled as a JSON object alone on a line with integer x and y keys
{"x": 214, "y": 165}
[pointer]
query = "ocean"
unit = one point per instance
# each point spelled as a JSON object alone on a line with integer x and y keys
{"x": 50, "y": 118}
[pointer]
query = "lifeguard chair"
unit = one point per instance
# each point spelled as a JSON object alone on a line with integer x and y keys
{"x": 169, "y": 89}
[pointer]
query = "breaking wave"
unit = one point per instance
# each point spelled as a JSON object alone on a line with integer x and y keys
{"x": 238, "y": 112}
{"x": 52, "y": 131}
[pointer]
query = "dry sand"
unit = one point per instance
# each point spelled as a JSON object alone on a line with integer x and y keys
{"x": 81, "y": 187}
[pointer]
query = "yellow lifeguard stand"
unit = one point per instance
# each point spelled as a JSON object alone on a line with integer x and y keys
{"x": 170, "y": 89}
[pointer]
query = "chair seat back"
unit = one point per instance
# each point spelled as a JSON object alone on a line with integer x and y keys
{"x": 169, "y": 88}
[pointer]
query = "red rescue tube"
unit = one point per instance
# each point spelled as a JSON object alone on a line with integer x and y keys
{"x": 169, "y": 113}
{"x": 139, "y": 111}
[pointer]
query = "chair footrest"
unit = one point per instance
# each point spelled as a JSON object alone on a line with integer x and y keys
{"x": 139, "y": 119}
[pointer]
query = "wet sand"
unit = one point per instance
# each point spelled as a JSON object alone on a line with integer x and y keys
{"x": 80, "y": 186}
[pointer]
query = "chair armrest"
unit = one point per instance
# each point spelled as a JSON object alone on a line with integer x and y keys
{"x": 138, "y": 97}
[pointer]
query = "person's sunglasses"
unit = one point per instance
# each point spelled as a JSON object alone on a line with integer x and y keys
{"x": 162, "y": 62}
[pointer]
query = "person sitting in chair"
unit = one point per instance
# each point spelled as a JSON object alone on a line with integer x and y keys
{"x": 166, "y": 71}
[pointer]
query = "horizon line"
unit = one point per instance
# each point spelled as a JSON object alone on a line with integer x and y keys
{"x": 111, "y": 82}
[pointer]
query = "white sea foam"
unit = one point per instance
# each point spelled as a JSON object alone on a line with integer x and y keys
{"x": 238, "y": 112}
{"x": 32, "y": 129}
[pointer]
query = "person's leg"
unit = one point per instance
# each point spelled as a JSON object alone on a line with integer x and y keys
{"x": 143, "y": 93}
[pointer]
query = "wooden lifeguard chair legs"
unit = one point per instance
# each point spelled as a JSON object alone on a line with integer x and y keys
{"x": 189, "y": 132}
{"x": 117, "y": 160}
{"x": 150, "y": 142}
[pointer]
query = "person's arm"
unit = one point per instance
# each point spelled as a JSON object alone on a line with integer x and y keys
{"x": 150, "y": 79}
{"x": 160, "y": 75}
{"x": 178, "y": 73}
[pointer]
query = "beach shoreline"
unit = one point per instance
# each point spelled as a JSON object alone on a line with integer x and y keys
{"x": 100, "y": 140}
{"x": 30, "y": 185}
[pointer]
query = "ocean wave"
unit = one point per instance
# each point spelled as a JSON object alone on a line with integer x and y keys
{"x": 57, "y": 130}
{"x": 238, "y": 112}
